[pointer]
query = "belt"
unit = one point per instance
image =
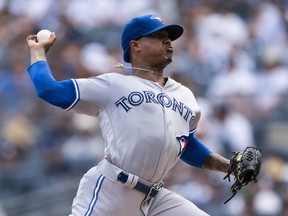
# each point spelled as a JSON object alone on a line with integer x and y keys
{"x": 150, "y": 191}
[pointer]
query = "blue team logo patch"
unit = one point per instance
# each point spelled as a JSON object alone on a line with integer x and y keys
{"x": 183, "y": 142}
{"x": 157, "y": 18}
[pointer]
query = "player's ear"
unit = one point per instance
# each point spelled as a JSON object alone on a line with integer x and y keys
{"x": 135, "y": 46}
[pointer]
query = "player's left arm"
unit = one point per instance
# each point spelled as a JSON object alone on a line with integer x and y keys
{"x": 198, "y": 155}
{"x": 216, "y": 162}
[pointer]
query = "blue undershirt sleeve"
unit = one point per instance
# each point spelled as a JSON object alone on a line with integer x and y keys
{"x": 61, "y": 94}
{"x": 196, "y": 152}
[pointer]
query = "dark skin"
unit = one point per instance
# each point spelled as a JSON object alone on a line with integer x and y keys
{"x": 153, "y": 52}
{"x": 217, "y": 163}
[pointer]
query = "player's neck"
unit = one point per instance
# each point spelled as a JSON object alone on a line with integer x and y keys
{"x": 150, "y": 75}
{"x": 155, "y": 75}
{"x": 137, "y": 71}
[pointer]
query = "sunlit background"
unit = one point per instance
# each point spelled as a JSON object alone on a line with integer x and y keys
{"x": 233, "y": 56}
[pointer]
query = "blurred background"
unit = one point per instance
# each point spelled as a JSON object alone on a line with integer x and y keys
{"x": 233, "y": 56}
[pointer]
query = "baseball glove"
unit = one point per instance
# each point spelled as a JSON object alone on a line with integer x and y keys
{"x": 245, "y": 166}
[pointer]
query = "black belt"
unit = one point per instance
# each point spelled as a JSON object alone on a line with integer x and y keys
{"x": 149, "y": 191}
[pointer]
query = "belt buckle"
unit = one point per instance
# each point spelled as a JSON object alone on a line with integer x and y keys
{"x": 154, "y": 190}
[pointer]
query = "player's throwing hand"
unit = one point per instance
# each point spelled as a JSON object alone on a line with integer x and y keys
{"x": 45, "y": 44}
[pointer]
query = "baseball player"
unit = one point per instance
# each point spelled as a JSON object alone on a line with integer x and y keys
{"x": 147, "y": 120}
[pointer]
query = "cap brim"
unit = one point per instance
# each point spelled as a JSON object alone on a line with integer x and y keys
{"x": 174, "y": 31}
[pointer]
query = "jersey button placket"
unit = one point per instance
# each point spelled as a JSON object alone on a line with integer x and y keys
{"x": 163, "y": 163}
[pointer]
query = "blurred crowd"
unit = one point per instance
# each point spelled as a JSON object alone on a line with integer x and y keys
{"x": 233, "y": 56}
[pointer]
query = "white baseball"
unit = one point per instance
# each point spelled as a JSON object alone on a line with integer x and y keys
{"x": 43, "y": 34}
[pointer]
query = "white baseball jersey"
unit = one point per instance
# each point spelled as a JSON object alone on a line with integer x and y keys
{"x": 140, "y": 120}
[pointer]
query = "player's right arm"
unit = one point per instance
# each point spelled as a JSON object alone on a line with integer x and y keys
{"x": 62, "y": 94}
{"x": 39, "y": 49}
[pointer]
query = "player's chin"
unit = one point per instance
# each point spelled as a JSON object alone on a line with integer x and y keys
{"x": 165, "y": 60}
{"x": 168, "y": 60}
{"x": 168, "y": 57}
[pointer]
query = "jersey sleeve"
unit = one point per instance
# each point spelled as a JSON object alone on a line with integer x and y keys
{"x": 196, "y": 152}
{"x": 93, "y": 94}
{"x": 61, "y": 94}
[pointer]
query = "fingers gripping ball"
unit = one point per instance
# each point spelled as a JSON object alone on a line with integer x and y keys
{"x": 246, "y": 167}
{"x": 43, "y": 34}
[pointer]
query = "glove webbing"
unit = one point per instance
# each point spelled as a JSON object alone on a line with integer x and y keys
{"x": 234, "y": 167}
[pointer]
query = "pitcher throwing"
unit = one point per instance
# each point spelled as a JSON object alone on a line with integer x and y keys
{"x": 147, "y": 120}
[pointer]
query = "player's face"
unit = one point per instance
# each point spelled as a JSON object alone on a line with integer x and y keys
{"x": 157, "y": 48}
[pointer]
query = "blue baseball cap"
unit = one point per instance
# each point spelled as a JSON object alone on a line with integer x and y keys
{"x": 143, "y": 26}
